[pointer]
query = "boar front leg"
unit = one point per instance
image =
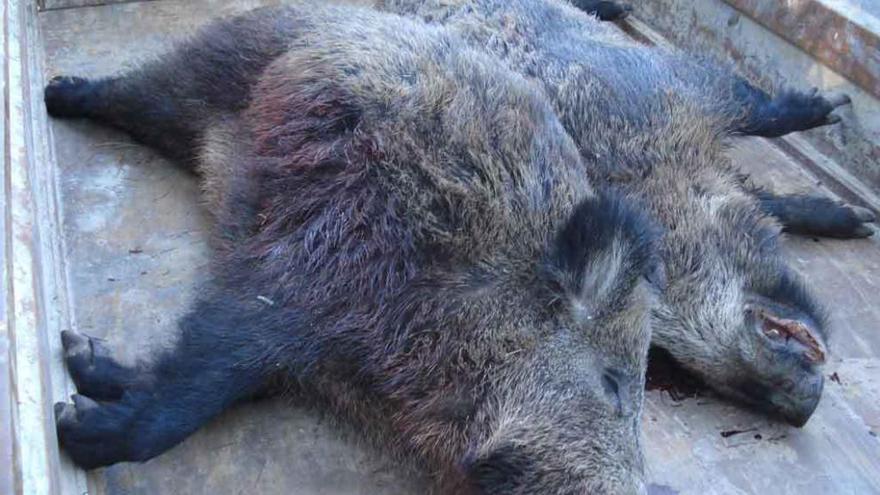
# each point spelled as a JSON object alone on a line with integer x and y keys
{"x": 229, "y": 350}
{"x": 168, "y": 103}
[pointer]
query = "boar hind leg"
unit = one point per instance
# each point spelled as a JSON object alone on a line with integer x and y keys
{"x": 818, "y": 216}
{"x": 605, "y": 11}
{"x": 169, "y": 102}
{"x": 790, "y": 111}
{"x": 226, "y": 353}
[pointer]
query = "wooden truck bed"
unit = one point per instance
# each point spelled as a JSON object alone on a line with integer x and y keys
{"x": 112, "y": 240}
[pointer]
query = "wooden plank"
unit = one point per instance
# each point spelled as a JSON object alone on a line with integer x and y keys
{"x": 835, "y": 453}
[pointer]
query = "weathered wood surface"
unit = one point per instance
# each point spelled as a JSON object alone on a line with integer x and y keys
{"x": 134, "y": 247}
{"x": 838, "y": 450}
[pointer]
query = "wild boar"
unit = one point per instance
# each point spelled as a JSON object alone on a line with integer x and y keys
{"x": 404, "y": 233}
{"x": 655, "y": 124}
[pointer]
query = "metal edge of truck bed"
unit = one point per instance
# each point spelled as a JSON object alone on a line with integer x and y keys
{"x": 34, "y": 305}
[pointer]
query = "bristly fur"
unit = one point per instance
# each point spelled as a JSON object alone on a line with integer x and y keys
{"x": 578, "y": 261}
{"x": 407, "y": 235}
{"x": 656, "y": 125}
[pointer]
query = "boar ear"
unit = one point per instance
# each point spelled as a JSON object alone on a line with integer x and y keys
{"x": 799, "y": 334}
{"x": 606, "y": 245}
{"x": 500, "y": 471}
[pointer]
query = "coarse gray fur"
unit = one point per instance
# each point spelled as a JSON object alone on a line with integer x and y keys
{"x": 655, "y": 124}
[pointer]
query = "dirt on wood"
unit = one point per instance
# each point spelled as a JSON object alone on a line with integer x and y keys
{"x": 666, "y": 375}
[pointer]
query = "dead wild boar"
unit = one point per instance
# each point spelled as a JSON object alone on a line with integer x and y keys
{"x": 404, "y": 233}
{"x": 655, "y": 124}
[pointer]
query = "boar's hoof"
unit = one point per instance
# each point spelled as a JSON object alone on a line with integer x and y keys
{"x": 64, "y": 96}
{"x": 92, "y": 434}
{"x": 605, "y": 11}
{"x": 852, "y": 222}
{"x": 803, "y": 111}
{"x": 94, "y": 372}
